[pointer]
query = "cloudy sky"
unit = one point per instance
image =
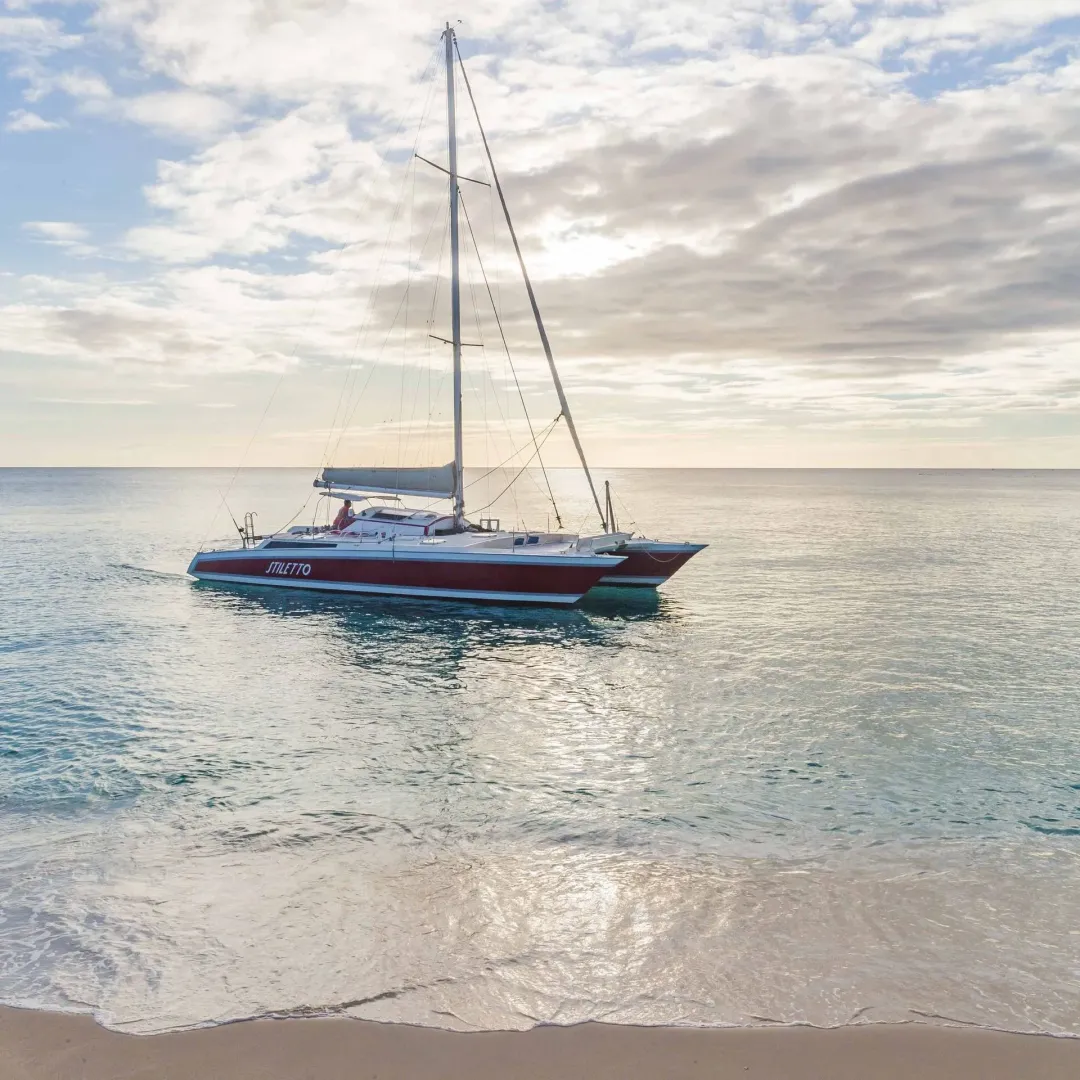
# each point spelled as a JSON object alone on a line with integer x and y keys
{"x": 762, "y": 233}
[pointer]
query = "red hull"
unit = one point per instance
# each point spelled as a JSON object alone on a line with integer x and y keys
{"x": 506, "y": 579}
{"x": 649, "y": 563}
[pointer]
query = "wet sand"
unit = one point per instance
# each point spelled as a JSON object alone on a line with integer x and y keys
{"x": 51, "y": 1046}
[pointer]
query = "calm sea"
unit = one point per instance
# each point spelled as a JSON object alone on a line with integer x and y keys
{"x": 830, "y": 775}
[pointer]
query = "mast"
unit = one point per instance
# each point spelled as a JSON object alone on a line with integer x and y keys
{"x": 455, "y": 283}
{"x": 564, "y": 405}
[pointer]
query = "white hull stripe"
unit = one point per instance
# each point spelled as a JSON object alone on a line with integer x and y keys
{"x": 627, "y": 579}
{"x": 388, "y": 553}
{"x": 396, "y": 590}
{"x": 654, "y": 548}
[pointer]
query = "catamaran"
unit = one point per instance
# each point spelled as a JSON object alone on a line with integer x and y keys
{"x": 390, "y": 549}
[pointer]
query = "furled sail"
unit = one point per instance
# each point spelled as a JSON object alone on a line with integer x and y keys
{"x": 435, "y": 482}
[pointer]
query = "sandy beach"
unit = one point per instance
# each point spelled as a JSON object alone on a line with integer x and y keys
{"x": 51, "y": 1046}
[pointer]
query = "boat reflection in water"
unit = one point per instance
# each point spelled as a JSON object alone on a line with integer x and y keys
{"x": 418, "y": 699}
{"x": 381, "y": 658}
{"x": 382, "y": 625}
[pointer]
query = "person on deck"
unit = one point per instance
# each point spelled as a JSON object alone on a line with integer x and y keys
{"x": 345, "y": 517}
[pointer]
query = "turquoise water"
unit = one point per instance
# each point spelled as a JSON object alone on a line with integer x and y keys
{"x": 830, "y": 775}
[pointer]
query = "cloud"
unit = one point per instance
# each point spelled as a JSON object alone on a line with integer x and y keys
{"x": 834, "y": 216}
{"x": 87, "y": 88}
{"x": 927, "y": 29}
{"x": 197, "y": 322}
{"x": 188, "y": 114}
{"x": 57, "y": 232}
{"x": 63, "y": 234}
{"x": 886, "y": 235}
{"x": 20, "y": 120}
{"x": 34, "y": 37}
{"x": 178, "y": 112}
{"x": 292, "y": 51}
{"x": 95, "y": 401}
{"x": 254, "y": 190}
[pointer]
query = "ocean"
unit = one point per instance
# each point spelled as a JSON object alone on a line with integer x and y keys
{"x": 828, "y": 776}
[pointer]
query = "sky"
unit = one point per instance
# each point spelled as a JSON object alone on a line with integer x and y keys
{"x": 761, "y": 233}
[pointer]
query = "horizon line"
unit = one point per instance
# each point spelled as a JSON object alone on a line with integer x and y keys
{"x": 575, "y": 468}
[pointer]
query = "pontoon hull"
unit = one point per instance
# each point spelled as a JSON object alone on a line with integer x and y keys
{"x": 496, "y": 578}
{"x": 648, "y": 563}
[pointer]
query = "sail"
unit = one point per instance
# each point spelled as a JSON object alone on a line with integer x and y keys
{"x": 436, "y": 482}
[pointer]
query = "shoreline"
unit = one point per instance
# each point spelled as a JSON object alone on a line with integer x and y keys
{"x": 38, "y": 1045}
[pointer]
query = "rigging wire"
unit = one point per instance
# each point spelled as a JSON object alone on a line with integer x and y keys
{"x": 510, "y": 361}
{"x": 349, "y": 400}
{"x": 551, "y": 428}
{"x": 626, "y": 510}
{"x": 432, "y": 398}
{"x": 529, "y": 289}
{"x": 247, "y": 450}
{"x": 520, "y": 450}
{"x": 502, "y": 465}
{"x": 350, "y": 379}
{"x": 483, "y": 402}
{"x": 429, "y": 70}
{"x": 297, "y": 514}
{"x": 357, "y": 398}
{"x": 472, "y": 384}
{"x": 405, "y": 327}
{"x": 354, "y": 399}
{"x": 371, "y": 371}
{"x": 425, "y": 368}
